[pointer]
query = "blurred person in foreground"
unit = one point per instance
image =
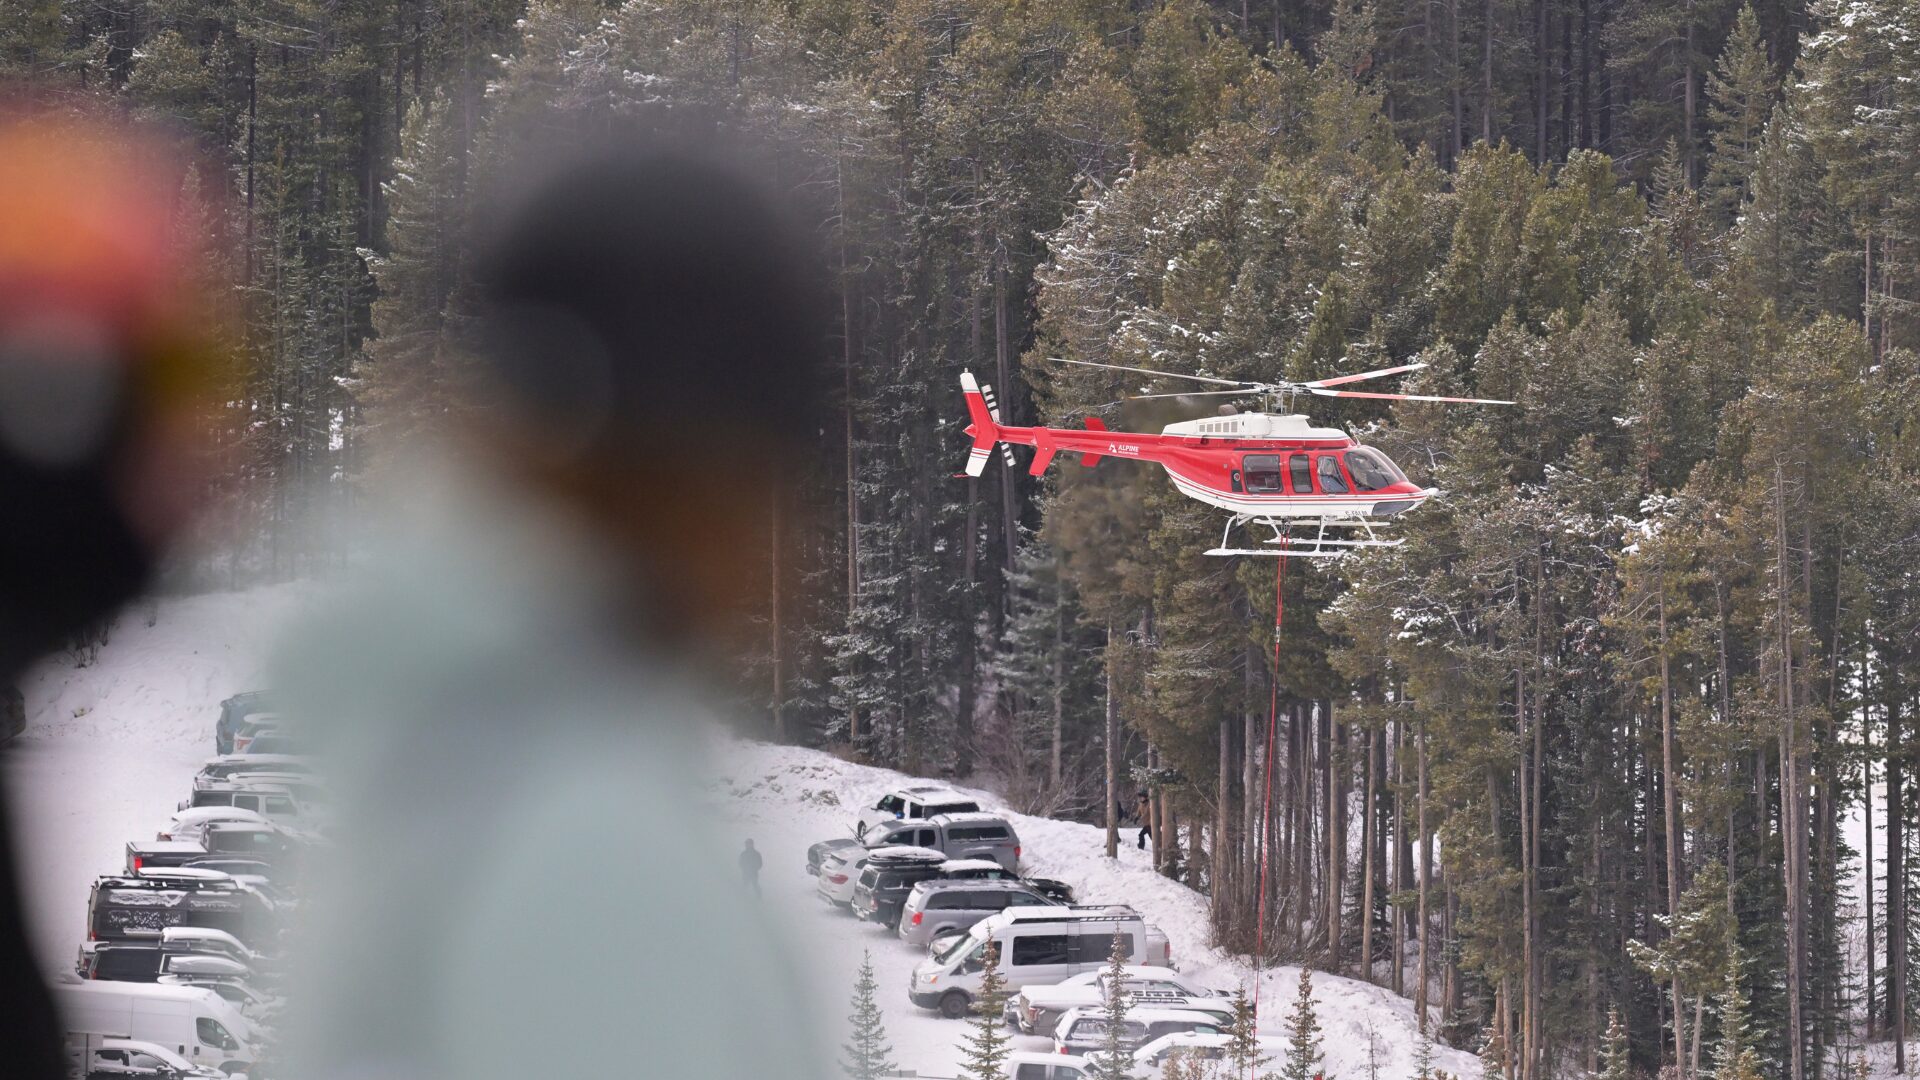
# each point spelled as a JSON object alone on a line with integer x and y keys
{"x": 109, "y": 364}
{"x": 525, "y": 881}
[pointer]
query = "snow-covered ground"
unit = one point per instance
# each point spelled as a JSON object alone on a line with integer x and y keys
{"x": 111, "y": 744}
{"x": 785, "y": 798}
{"x": 111, "y": 747}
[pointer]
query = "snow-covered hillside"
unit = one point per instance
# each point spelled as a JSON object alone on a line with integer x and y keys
{"x": 785, "y": 798}
{"x": 110, "y": 747}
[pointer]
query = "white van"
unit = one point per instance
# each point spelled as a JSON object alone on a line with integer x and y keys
{"x": 1036, "y": 945}
{"x": 193, "y": 1022}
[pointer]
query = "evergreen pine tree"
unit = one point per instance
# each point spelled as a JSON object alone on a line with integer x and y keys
{"x": 1735, "y": 1058}
{"x": 1113, "y": 1061}
{"x": 1303, "y": 1034}
{"x": 869, "y": 1055}
{"x": 1740, "y": 95}
{"x": 984, "y": 1054}
{"x": 1423, "y": 1056}
{"x": 1616, "y": 1066}
{"x": 1243, "y": 1041}
{"x": 1492, "y": 1049}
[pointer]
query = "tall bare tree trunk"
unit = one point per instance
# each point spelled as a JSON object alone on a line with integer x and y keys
{"x": 1113, "y": 756}
{"x": 1426, "y": 875}
{"x": 1367, "y": 837}
{"x": 778, "y": 629}
{"x": 1670, "y": 807}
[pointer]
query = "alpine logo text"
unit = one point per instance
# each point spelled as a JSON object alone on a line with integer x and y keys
{"x": 1124, "y": 449}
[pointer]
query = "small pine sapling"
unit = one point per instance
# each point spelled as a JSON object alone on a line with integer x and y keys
{"x": 869, "y": 1055}
{"x": 1243, "y": 1038}
{"x": 1303, "y": 1035}
{"x": 1113, "y": 1061}
{"x": 1423, "y": 1056}
{"x": 1492, "y": 1049}
{"x": 984, "y": 1054}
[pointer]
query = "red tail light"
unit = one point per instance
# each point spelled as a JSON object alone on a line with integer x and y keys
{"x": 916, "y": 918}
{"x": 837, "y": 879}
{"x": 1016, "y": 851}
{"x": 138, "y": 862}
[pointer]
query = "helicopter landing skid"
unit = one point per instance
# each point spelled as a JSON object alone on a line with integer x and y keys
{"x": 1317, "y": 546}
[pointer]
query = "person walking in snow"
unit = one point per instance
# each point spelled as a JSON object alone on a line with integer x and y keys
{"x": 750, "y": 868}
{"x": 1143, "y": 813}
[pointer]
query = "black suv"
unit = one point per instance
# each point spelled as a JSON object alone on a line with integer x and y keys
{"x": 887, "y": 878}
{"x": 123, "y": 906}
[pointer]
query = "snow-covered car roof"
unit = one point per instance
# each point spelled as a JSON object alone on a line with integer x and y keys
{"x": 264, "y": 761}
{"x": 972, "y": 817}
{"x": 201, "y": 815}
{"x": 1132, "y": 971}
{"x": 905, "y": 853}
{"x": 201, "y": 933}
{"x": 1141, "y": 1016}
{"x": 181, "y": 873}
{"x": 1147, "y": 1052}
{"x": 952, "y": 866}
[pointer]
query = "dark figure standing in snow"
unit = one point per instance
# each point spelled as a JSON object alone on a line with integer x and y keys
{"x": 1143, "y": 813}
{"x": 750, "y": 868}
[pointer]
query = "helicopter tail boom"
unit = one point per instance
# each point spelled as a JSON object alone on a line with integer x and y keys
{"x": 984, "y": 429}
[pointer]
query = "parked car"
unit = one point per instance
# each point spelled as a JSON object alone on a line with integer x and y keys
{"x": 991, "y": 870}
{"x": 101, "y": 1058}
{"x": 1036, "y": 1009}
{"x": 882, "y": 891}
{"x": 159, "y": 853}
{"x": 197, "y": 1023}
{"x": 13, "y": 712}
{"x": 1150, "y": 1060}
{"x": 124, "y": 906}
{"x": 251, "y": 727}
{"x": 913, "y": 804}
{"x": 274, "y": 805}
{"x": 934, "y": 908}
{"x": 1084, "y": 1030}
{"x": 277, "y": 743}
{"x": 233, "y": 712}
{"x": 960, "y": 836}
{"x": 221, "y": 768}
{"x": 1031, "y": 1065}
{"x": 259, "y": 1007}
{"x": 190, "y": 823}
{"x": 1037, "y": 945}
{"x": 840, "y": 873}
{"x": 817, "y": 853}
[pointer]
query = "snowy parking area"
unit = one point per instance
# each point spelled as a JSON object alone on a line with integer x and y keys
{"x": 111, "y": 745}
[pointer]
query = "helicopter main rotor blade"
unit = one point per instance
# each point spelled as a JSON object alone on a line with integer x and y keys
{"x": 1322, "y": 392}
{"x": 1150, "y": 371}
{"x": 1248, "y": 392}
{"x": 1339, "y": 380}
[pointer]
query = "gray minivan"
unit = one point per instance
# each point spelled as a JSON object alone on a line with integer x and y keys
{"x": 958, "y": 836}
{"x": 944, "y": 906}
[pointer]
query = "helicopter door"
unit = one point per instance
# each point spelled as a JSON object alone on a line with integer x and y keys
{"x": 1262, "y": 473}
{"x": 1331, "y": 480}
{"x": 1302, "y": 474}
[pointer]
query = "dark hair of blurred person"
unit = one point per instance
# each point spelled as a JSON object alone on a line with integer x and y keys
{"x": 655, "y": 323}
{"x": 105, "y": 354}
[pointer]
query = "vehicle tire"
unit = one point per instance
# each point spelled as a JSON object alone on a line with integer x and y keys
{"x": 954, "y": 1004}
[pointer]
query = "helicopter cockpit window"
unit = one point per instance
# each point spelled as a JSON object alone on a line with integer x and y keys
{"x": 1369, "y": 470}
{"x": 1331, "y": 482}
{"x": 1262, "y": 473}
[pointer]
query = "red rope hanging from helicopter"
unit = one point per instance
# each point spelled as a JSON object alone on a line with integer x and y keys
{"x": 1266, "y": 809}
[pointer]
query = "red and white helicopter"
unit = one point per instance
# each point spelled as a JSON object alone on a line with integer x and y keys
{"x": 1263, "y": 468}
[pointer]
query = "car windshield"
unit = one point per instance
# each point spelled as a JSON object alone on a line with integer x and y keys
{"x": 954, "y": 947}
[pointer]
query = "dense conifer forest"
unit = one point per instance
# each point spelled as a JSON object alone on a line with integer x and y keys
{"x": 1617, "y": 749}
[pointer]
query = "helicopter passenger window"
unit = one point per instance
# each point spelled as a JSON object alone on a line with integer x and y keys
{"x": 1368, "y": 471}
{"x": 1331, "y": 481}
{"x": 1262, "y": 473}
{"x": 1302, "y": 475}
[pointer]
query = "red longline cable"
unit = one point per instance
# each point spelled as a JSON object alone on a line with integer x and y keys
{"x": 1266, "y": 810}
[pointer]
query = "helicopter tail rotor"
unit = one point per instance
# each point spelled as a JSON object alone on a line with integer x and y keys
{"x": 984, "y": 428}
